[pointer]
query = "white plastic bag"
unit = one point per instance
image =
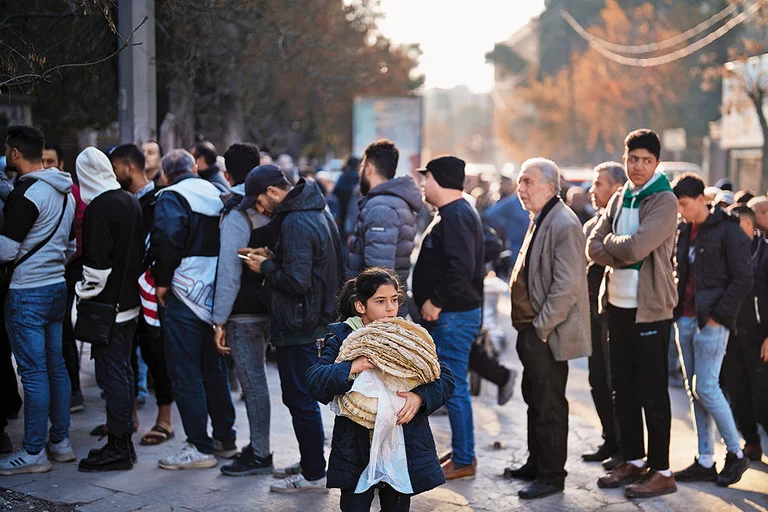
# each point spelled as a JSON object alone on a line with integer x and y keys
{"x": 388, "y": 462}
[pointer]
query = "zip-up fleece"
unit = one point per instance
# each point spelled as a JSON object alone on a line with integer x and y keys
{"x": 185, "y": 242}
{"x": 652, "y": 244}
{"x": 31, "y": 212}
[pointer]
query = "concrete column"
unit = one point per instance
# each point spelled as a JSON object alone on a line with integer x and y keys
{"x": 137, "y": 73}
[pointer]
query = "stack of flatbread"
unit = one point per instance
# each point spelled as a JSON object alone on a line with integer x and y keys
{"x": 402, "y": 351}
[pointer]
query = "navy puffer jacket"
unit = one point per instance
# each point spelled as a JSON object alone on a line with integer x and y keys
{"x": 386, "y": 227}
{"x": 350, "y": 446}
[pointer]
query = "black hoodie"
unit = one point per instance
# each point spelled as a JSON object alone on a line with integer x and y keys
{"x": 304, "y": 277}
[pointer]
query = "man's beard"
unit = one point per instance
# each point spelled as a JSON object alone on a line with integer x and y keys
{"x": 365, "y": 185}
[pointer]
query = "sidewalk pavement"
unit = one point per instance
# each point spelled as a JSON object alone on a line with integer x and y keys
{"x": 148, "y": 488}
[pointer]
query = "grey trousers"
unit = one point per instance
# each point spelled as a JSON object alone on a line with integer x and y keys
{"x": 248, "y": 339}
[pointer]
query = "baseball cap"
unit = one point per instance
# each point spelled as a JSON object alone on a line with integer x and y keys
{"x": 448, "y": 171}
{"x": 257, "y": 182}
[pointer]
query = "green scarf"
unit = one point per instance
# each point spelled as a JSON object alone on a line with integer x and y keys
{"x": 355, "y": 322}
{"x": 659, "y": 184}
{"x": 632, "y": 199}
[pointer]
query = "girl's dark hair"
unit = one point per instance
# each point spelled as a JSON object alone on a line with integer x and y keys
{"x": 363, "y": 287}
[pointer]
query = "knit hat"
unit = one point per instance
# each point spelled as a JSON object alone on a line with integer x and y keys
{"x": 448, "y": 171}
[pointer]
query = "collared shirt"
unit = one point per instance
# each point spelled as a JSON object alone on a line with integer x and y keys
{"x": 146, "y": 189}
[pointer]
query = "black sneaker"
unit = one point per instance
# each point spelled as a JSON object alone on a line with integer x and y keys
{"x": 224, "y": 449}
{"x": 77, "y": 402}
{"x": 247, "y": 463}
{"x": 696, "y": 473}
{"x": 733, "y": 470}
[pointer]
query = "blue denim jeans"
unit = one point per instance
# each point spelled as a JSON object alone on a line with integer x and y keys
{"x": 247, "y": 337}
{"x": 198, "y": 374}
{"x": 702, "y": 354}
{"x": 292, "y": 365}
{"x": 33, "y": 319}
{"x": 454, "y": 334}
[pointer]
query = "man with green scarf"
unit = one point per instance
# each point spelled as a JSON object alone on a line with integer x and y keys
{"x": 634, "y": 239}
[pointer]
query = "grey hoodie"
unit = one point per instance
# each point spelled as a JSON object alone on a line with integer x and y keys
{"x": 386, "y": 227}
{"x": 31, "y": 213}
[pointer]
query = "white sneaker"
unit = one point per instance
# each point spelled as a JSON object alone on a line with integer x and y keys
{"x": 21, "y": 462}
{"x": 299, "y": 484}
{"x": 286, "y": 472}
{"x": 188, "y": 458}
{"x": 61, "y": 451}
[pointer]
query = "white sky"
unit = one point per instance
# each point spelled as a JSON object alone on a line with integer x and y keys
{"x": 455, "y": 35}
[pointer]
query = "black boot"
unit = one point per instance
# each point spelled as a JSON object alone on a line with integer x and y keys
{"x": 96, "y": 451}
{"x": 114, "y": 456}
{"x": 607, "y": 450}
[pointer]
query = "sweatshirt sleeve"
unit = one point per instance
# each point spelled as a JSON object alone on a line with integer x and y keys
{"x": 97, "y": 252}
{"x": 655, "y": 228}
{"x": 169, "y": 236}
{"x": 596, "y": 250}
{"x": 235, "y": 233}
{"x": 459, "y": 253}
{"x": 20, "y": 215}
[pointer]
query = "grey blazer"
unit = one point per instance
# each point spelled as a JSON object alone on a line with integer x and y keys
{"x": 557, "y": 285}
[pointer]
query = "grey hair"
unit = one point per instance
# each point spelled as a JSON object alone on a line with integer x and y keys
{"x": 177, "y": 162}
{"x": 755, "y": 201}
{"x": 616, "y": 172}
{"x": 549, "y": 170}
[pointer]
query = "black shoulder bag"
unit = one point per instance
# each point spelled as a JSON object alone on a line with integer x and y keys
{"x": 95, "y": 320}
{"x": 7, "y": 273}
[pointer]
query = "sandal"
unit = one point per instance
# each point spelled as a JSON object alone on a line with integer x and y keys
{"x": 156, "y": 435}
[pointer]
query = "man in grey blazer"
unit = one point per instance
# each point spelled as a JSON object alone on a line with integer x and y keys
{"x": 550, "y": 310}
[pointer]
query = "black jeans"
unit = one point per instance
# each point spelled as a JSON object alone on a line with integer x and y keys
{"x": 600, "y": 379}
{"x": 740, "y": 378}
{"x": 150, "y": 340}
{"x": 9, "y": 386}
{"x": 389, "y": 499}
{"x": 486, "y": 366}
{"x": 544, "y": 381}
{"x": 114, "y": 375}
{"x": 73, "y": 275}
{"x": 292, "y": 365}
{"x": 639, "y": 355}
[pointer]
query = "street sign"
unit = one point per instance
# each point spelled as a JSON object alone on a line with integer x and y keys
{"x": 674, "y": 139}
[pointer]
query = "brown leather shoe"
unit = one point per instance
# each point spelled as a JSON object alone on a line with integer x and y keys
{"x": 753, "y": 451}
{"x": 654, "y": 484}
{"x": 624, "y": 473}
{"x": 451, "y": 473}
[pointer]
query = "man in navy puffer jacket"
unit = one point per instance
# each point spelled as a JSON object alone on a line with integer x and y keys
{"x": 386, "y": 219}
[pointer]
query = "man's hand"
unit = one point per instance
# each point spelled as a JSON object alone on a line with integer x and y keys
{"x": 764, "y": 351}
{"x": 220, "y": 339}
{"x": 361, "y": 364}
{"x": 259, "y": 251}
{"x": 412, "y": 405}
{"x": 160, "y": 293}
{"x": 712, "y": 323}
{"x": 430, "y": 312}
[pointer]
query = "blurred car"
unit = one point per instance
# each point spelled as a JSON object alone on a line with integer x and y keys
{"x": 675, "y": 169}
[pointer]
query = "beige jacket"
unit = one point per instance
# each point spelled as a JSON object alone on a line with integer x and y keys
{"x": 557, "y": 285}
{"x": 653, "y": 242}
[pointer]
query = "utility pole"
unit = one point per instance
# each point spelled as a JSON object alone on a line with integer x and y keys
{"x": 137, "y": 100}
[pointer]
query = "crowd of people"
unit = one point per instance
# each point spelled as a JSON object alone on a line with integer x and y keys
{"x": 201, "y": 263}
